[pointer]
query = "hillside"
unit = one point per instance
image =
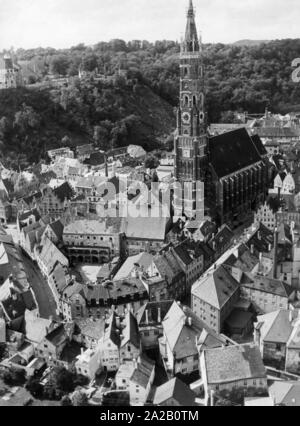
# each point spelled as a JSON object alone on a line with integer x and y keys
{"x": 250, "y": 42}
{"x": 33, "y": 121}
{"x": 134, "y": 101}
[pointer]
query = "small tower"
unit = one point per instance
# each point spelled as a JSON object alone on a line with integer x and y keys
{"x": 191, "y": 136}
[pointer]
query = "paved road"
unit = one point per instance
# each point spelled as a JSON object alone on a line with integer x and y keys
{"x": 41, "y": 289}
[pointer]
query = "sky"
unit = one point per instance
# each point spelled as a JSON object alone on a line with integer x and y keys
{"x": 66, "y": 23}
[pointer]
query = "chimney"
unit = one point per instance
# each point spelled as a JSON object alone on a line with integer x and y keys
{"x": 190, "y": 321}
{"x": 212, "y": 402}
{"x": 290, "y": 316}
{"x": 259, "y": 235}
{"x": 147, "y": 316}
{"x": 252, "y": 248}
{"x": 275, "y": 254}
{"x": 279, "y": 194}
{"x": 118, "y": 322}
{"x": 159, "y": 315}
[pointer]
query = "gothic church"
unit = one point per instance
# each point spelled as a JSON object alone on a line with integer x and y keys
{"x": 232, "y": 166}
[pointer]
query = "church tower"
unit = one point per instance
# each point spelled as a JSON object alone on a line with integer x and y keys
{"x": 191, "y": 136}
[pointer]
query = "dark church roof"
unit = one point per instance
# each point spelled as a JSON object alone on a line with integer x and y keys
{"x": 259, "y": 145}
{"x": 232, "y": 151}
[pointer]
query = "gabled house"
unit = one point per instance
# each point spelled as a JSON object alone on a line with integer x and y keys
{"x": 214, "y": 297}
{"x": 130, "y": 345}
{"x": 277, "y": 333}
{"x": 179, "y": 344}
{"x": 233, "y": 367}
{"x": 266, "y": 294}
{"x": 48, "y": 255}
{"x": 141, "y": 381}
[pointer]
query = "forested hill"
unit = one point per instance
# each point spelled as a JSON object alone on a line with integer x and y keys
{"x": 136, "y": 104}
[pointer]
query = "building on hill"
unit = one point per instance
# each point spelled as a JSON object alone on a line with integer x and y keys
{"x": 10, "y": 73}
{"x": 64, "y": 152}
{"x": 232, "y": 165}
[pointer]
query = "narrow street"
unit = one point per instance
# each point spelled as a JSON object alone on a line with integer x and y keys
{"x": 43, "y": 294}
{"x": 41, "y": 289}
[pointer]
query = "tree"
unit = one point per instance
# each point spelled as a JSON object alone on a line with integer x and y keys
{"x": 79, "y": 399}
{"x": 59, "y": 64}
{"x": 63, "y": 379}
{"x": 90, "y": 62}
{"x": 14, "y": 377}
{"x": 151, "y": 162}
{"x": 35, "y": 388}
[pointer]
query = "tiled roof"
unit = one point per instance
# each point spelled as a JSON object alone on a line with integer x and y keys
{"x": 233, "y": 363}
{"x": 142, "y": 260}
{"x": 58, "y": 228}
{"x": 277, "y": 132}
{"x": 49, "y": 255}
{"x": 112, "y": 332}
{"x": 61, "y": 276}
{"x": 131, "y": 331}
{"x": 269, "y": 285}
{"x": 107, "y": 226}
{"x": 176, "y": 390}
{"x": 181, "y": 336}
{"x": 92, "y": 329}
{"x": 275, "y": 327}
{"x": 216, "y": 288}
{"x": 143, "y": 372}
{"x": 35, "y": 328}
{"x": 145, "y": 228}
{"x": 285, "y": 393}
{"x": 57, "y": 336}
{"x": 222, "y": 238}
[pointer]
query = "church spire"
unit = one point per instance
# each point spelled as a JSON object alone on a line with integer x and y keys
{"x": 191, "y": 42}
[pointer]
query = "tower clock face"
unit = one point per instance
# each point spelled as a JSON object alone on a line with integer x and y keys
{"x": 186, "y": 118}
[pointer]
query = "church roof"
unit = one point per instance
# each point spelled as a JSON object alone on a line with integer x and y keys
{"x": 232, "y": 151}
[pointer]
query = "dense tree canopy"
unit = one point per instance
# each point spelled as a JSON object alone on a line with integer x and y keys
{"x": 134, "y": 99}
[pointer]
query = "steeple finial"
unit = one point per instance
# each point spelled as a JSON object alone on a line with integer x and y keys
{"x": 191, "y": 36}
{"x": 191, "y": 9}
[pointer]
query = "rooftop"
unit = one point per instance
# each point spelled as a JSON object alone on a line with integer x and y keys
{"x": 233, "y": 363}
